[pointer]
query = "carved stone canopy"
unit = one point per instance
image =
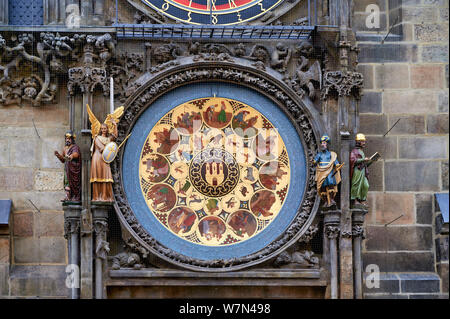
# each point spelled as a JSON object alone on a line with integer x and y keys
{"x": 280, "y": 94}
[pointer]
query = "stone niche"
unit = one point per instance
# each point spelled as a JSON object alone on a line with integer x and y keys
{"x": 74, "y": 13}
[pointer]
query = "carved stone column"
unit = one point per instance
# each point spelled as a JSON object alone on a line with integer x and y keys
{"x": 358, "y": 216}
{"x": 55, "y": 11}
{"x": 345, "y": 242}
{"x": 148, "y": 56}
{"x": 341, "y": 90}
{"x": 88, "y": 74}
{"x": 4, "y": 12}
{"x": 72, "y": 219}
{"x": 100, "y": 221}
{"x": 331, "y": 222}
{"x": 92, "y": 12}
{"x": 98, "y": 14}
{"x": 86, "y": 217}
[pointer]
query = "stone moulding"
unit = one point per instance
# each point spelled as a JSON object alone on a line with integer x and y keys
{"x": 307, "y": 128}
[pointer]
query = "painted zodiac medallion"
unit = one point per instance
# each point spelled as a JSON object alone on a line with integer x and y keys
{"x": 214, "y": 171}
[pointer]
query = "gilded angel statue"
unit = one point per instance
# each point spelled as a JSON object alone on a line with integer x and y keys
{"x": 102, "y": 150}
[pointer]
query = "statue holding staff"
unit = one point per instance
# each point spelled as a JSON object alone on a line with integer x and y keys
{"x": 328, "y": 174}
{"x": 71, "y": 157}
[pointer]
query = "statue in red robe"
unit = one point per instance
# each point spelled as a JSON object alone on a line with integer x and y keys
{"x": 71, "y": 157}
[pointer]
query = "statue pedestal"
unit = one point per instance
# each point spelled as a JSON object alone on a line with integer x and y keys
{"x": 358, "y": 216}
{"x": 331, "y": 223}
{"x": 72, "y": 220}
{"x": 100, "y": 211}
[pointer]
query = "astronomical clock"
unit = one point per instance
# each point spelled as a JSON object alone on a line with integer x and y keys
{"x": 219, "y": 12}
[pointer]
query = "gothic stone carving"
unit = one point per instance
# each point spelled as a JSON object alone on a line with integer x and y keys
{"x": 87, "y": 79}
{"x": 218, "y": 72}
{"x": 102, "y": 247}
{"x": 125, "y": 69}
{"x": 26, "y": 53}
{"x": 295, "y": 64}
{"x": 210, "y": 52}
{"x": 306, "y": 72}
{"x": 309, "y": 234}
{"x": 298, "y": 259}
{"x": 332, "y": 232}
{"x": 126, "y": 260}
{"x": 358, "y": 231}
{"x": 341, "y": 83}
{"x": 31, "y": 62}
{"x": 71, "y": 226}
{"x": 134, "y": 256}
{"x": 93, "y": 52}
{"x": 280, "y": 57}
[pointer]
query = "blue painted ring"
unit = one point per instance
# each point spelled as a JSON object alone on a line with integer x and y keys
{"x": 170, "y": 100}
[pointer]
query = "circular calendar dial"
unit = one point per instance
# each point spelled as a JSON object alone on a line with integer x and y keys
{"x": 214, "y": 171}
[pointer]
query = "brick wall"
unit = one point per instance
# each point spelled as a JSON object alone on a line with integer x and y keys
{"x": 406, "y": 78}
{"x": 30, "y": 172}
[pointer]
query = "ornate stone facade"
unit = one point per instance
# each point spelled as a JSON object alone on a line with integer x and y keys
{"x": 49, "y": 75}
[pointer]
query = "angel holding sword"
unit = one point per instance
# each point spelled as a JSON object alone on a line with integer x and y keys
{"x": 102, "y": 134}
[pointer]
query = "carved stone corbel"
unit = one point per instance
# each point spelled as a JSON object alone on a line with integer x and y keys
{"x": 71, "y": 226}
{"x": 72, "y": 223}
{"x": 100, "y": 230}
{"x": 358, "y": 231}
{"x": 342, "y": 83}
{"x": 296, "y": 259}
{"x": 358, "y": 216}
{"x": 346, "y": 234}
{"x": 332, "y": 232}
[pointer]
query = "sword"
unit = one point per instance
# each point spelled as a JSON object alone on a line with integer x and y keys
{"x": 123, "y": 142}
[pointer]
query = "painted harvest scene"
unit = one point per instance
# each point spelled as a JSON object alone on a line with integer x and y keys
{"x": 214, "y": 171}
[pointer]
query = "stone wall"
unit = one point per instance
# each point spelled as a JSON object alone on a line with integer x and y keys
{"x": 31, "y": 175}
{"x": 406, "y": 83}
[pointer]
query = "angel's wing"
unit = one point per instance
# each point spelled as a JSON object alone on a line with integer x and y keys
{"x": 113, "y": 117}
{"x": 95, "y": 124}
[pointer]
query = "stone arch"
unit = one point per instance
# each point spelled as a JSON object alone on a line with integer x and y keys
{"x": 301, "y": 113}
